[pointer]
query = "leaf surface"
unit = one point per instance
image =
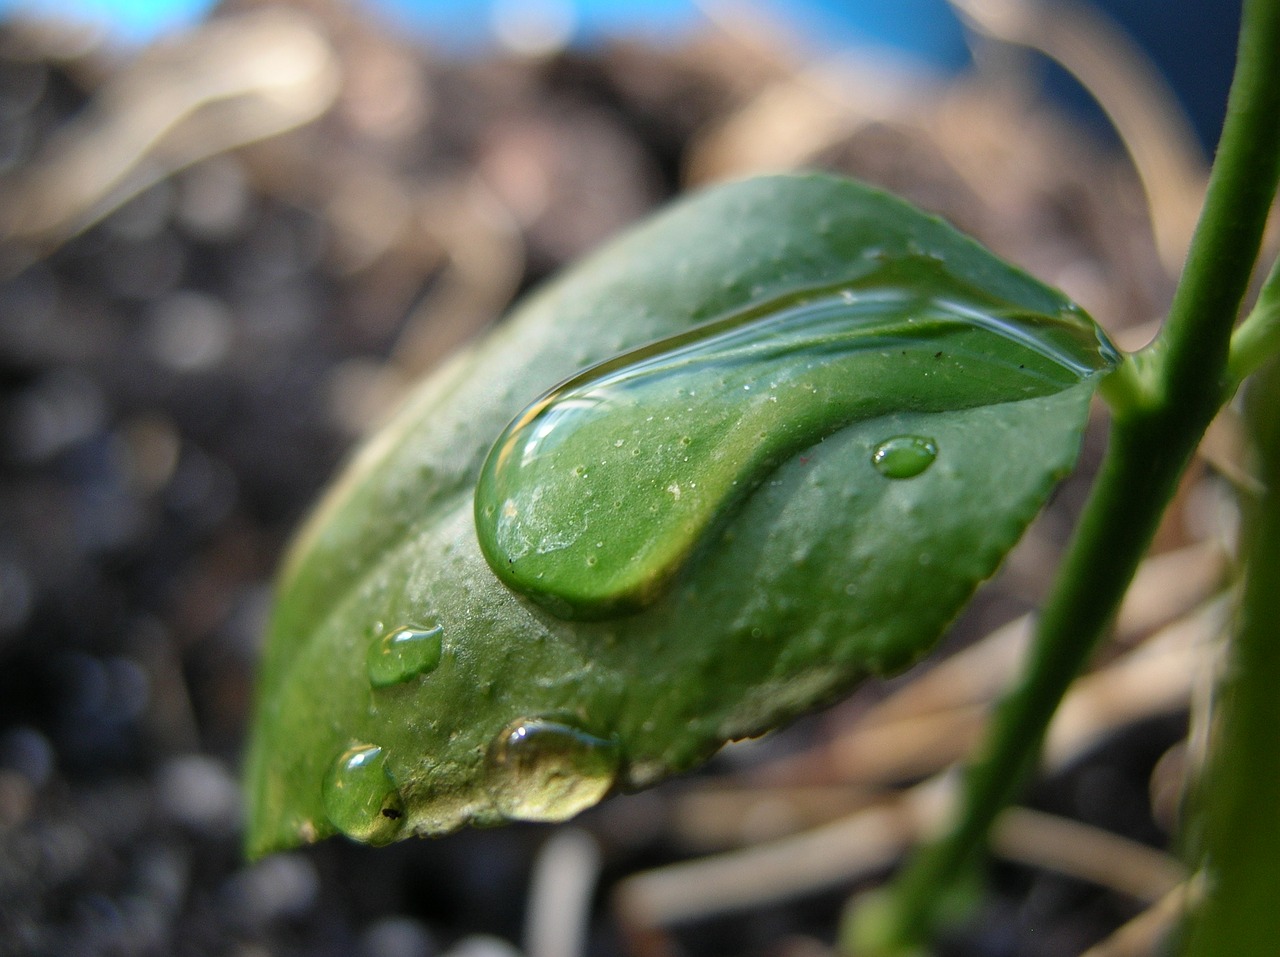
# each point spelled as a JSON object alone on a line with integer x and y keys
{"x": 820, "y": 419}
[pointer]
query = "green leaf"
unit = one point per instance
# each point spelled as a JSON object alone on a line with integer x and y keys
{"x": 841, "y": 416}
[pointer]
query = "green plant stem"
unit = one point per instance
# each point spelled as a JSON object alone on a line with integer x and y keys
{"x": 1240, "y": 792}
{"x": 1184, "y": 380}
{"x": 1258, "y": 337}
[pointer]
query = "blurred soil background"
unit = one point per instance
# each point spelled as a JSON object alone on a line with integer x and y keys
{"x": 225, "y": 256}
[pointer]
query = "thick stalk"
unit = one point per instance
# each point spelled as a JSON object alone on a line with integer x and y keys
{"x": 1240, "y": 792}
{"x": 1184, "y": 381}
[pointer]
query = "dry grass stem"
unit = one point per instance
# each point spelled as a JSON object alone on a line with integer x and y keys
{"x": 1087, "y": 853}
{"x": 871, "y": 839}
{"x": 1143, "y": 111}
{"x": 838, "y": 853}
{"x": 558, "y": 914}
{"x": 1145, "y": 935}
{"x": 229, "y": 83}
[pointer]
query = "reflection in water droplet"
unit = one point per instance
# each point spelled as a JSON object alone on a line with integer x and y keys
{"x": 904, "y": 456}
{"x": 360, "y": 798}
{"x": 721, "y": 406}
{"x": 402, "y": 654}
{"x": 544, "y": 770}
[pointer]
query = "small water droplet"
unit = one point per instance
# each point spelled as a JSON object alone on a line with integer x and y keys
{"x": 360, "y": 797}
{"x": 904, "y": 456}
{"x": 545, "y": 770}
{"x": 403, "y": 654}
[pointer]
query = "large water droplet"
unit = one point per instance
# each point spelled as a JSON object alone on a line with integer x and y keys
{"x": 402, "y": 654}
{"x": 904, "y": 456}
{"x": 360, "y": 797}
{"x": 545, "y": 770}
{"x": 718, "y": 408}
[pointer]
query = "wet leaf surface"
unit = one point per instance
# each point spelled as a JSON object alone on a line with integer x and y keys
{"x": 928, "y": 397}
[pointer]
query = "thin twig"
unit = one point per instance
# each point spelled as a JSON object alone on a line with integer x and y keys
{"x": 1086, "y": 853}
{"x": 1143, "y": 936}
{"x": 1141, "y": 108}
{"x": 563, "y": 883}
